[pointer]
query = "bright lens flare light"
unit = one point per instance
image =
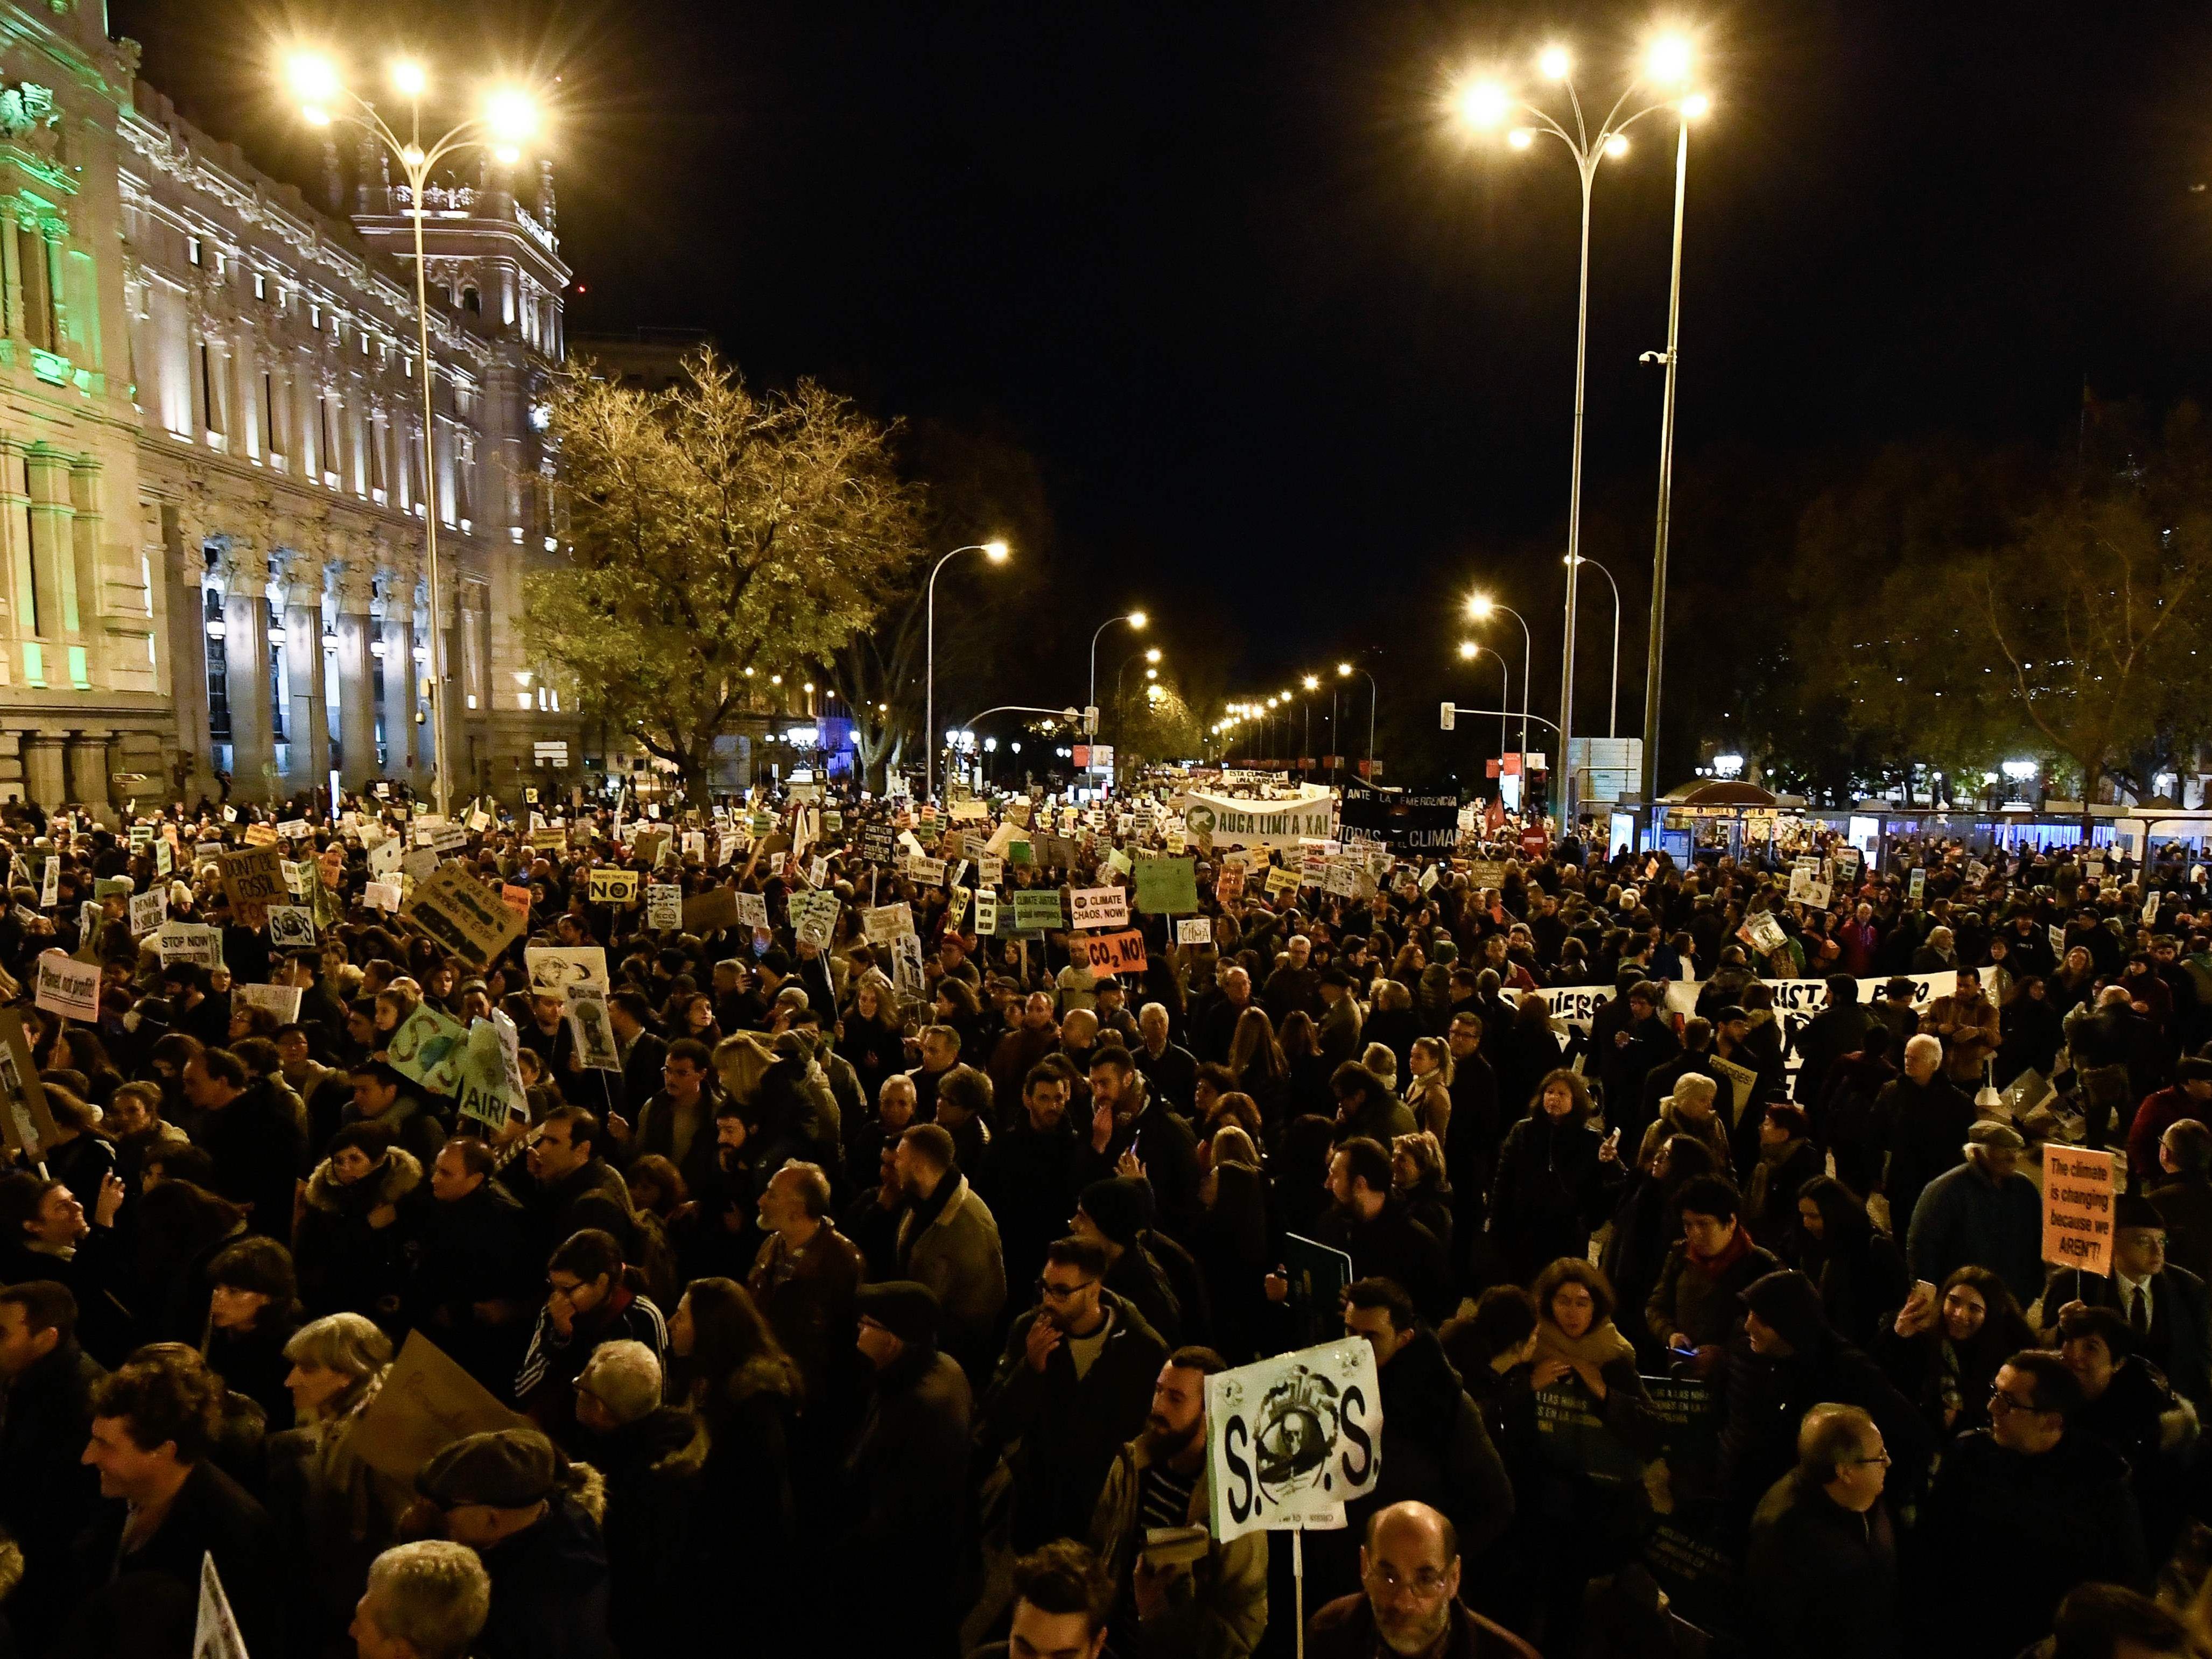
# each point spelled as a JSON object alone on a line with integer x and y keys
{"x": 996, "y": 552}
{"x": 1697, "y": 106}
{"x": 1137, "y": 619}
{"x": 1669, "y": 61}
{"x": 314, "y": 77}
{"x": 315, "y": 117}
{"x": 1521, "y": 137}
{"x": 1480, "y": 606}
{"x": 1555, "y": 63}
{"x": 511, "y": 115}
{"x": 408, "y": 79}
{"x": 1469, "y": 649}
{"x": 1311, "y": 683}
{"x": 1617, "y": 146}
{"x": 1482, "y": 105}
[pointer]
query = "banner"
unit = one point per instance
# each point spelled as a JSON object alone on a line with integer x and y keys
{"x": 1229, "y": 822}
{"x": 1573, "y": 1006}
{"x": 1404, "y": 822}
{"x": 2079, "y": 1187}
{"x": 1290, "y": 1440}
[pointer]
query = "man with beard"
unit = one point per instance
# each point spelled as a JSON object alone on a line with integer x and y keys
{"x": 1124, "y": 1120}
{"x": 1171, "y": 1601}
{"x": 1409, "y": 1571}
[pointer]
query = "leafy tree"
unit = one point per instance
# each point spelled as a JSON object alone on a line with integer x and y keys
{"x": 716, "y": 530}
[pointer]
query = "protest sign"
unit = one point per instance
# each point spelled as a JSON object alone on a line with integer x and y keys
{"x": 197, "y": 943}
{"x": 462, "y": 915}
{"x": 1116, "y": 953}
{"x": 1099, "y": 907}
{"x": 907, "y": 978}
{"x": 596, "y": 1047}
{"x": 711, "y": 912}
{"x": 427, "y": 1049}
{"x": 1036, "y": 910}
{"x": 2079, "y": 1187}
{"x": 118, "y": 888}
{"x": 148, "y": 911}
{"x": 887, "y": 923}
{"x": 283, "y": 1000}
{"x": 1917, "y": 886}
{"x": 214, "y": 1629}
{"x": 1167, "y": 887}
{"x": 1195, "y": 930}
{"x": 1407, "y": 822}
{"x": 610, "y": 884}
{"x": 254, "y": 880}
{"x": 50, "y": 883}
{"x": 926, "y": 872}
{"x": 752, "y": 910}
{"x": 1230, "y": 823}
{"x": 68, "y": 987}
{"x": 1281, "y": 879}
{"x": 165, "y": 858}
{"x": 987, "y": 913}
{"x": 517, "y": 899}
{"x": 381, "y": 896}
{"x": 990, "y": 870}
{"x": 1290, "y": 1440}
{"x": 956, "y": 909}
{"x": 1486, "y": 873}
{"x": 1740, "y": 1079}
{"x": 426, "y": 1403}
{"x": 492, "y": 1089}
{"x": 1763, "y": 933}
{"x": 26, "y": 1123}
{"x": 291, "y": 927}
{"x": 553, "y": 968}
{"x": 1317, "y": 1273}
{"x": 258, "y": 835}
{"x": 814, "y": 918}
{"x": 663, "y": 906}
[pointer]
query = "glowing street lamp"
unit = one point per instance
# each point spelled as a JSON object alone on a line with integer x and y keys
{"x": 1482, "y": 608}
{"x": 997, "y": 553}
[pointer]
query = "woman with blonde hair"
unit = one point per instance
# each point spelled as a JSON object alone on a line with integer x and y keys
{"x": 338, "y": 1510}
{"x": 1428, "y": 1086}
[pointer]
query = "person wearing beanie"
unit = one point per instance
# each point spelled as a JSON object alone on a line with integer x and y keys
{"x": 906, "y": 1480}
{"x": 533, "y": 1520}
{"x": 1985, "y": 1213}
{"x": 1787, "y": 1360}
{"x": 1113, "y": 1214}
{"x": 2167, "y": 1308}
{"x": 653, "y": 1458}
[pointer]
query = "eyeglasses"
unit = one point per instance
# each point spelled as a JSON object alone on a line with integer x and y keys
{"x": 1880, "y": 1459}
{"x": 2000, "y": 1400}
{"x": 1426, "y": 1584}
{"x": 1052, "y": 1292}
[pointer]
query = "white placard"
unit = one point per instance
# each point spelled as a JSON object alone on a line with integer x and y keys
{"x": 68, "y": 987}
{"x": 1099, "y": 907}
{"x": 1289, "y": 1440}
{"x": 553, "y": 968}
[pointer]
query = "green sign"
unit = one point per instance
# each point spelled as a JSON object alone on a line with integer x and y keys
{"x": 1036, "y": 911}
{"x": 1167, "y": 887}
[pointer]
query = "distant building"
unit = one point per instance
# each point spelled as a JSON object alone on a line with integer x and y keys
{"x": 212, "y": 503}
{"x": 649, "y": 359}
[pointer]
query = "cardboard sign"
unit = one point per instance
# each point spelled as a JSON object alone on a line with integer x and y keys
{"x": 928, "y": 873}
{"x": 258, "y": 835}
{"x": 50, "y": 883}
{"x": 611, "y": 885}
{"x": 1167, "y": 887}
{"x": 1763, "y": 933}
{"x": 291, "y": 927}
{"x": 1229, "y": 886}
{"x": 553, "y": 968}
{"x": 68, "y": 987}
{"x": 197, "y": 943}
{"x": 427, "y": 1403}
{"x": 282, "y": 1000}
{"x": 663, "y": 906}
{"x": 1036, "y": 910}
{"x": 1116, "y": 953}
{"x": 596, "y": 1047}
{"x": 1195, "y": 930}
{"x": 711, "y": 912}
{"x": 457, "y": 910}
{"x": 2079, "y": 1189}
{"x": 26, "y": 1123}
{"x": 428, "y": 1049}
{"x": 492, "y": 1089}
{"x": 752, "y": 910}
{"x": 148, "y": 911}
{"x": 381, "y": 896}
{"x": 517, "y": 899}
{"x": 214, "y": 1628}
{"x": 1290, "y": 1440}
{"x": 254, "y": 880}
{"x": 1099, "y": 907}
{"x": 814, "y": 918}
{"x": 1282, "y": 880}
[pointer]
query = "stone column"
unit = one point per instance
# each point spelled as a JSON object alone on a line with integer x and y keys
{"x": 184, "y": 539}
{"x": 245, "y": 655}
{"x": 400, "y": 671}
{"x": 44, "y": 779}
{"x": 308, "y": 721}
{"x": 86, "y": 757}
{"x": 357, "y": 686}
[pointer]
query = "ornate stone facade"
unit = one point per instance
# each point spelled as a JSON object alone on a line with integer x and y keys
{"x": 212, "y": 499}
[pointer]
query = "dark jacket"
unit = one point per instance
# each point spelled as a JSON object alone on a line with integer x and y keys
{"x": 906, "y": 1511}
{"x": 347, "y": 1262}
{"x": 1032, "y": 1182}
{"x": 1345, "y": 1629}
{"x": 551, "y": 1590}
{"x": 1060, "y": 1433}
{"x": 259, "y": 1148}
{"x": 2180, "y": 1340}
{"x": 144, "y": 1603}
{"x": 47, "y": 1495}
{"x": 1924, "y": 1127}
{"x": 1396, "y": 1246}
{"x": 1988, "y": 1529}
{"x": 654, "y": 1470}
{"x": 1169, "y": 1151}
{"x": 806, "y": 1297}
{"x": 593, "y": 1195}
{"x": 1965, "y": 1219}
{"x": 2185, "y": 1204}
{"x": 475, "y": 1250}
{"x": 1820, "y": 1580}
{"x": 1549, "y": 1192}
{"x": 1703, "y": 1305}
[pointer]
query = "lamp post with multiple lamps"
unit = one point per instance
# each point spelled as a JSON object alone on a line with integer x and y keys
{"x": 509, "y": 118}
{"x": 1136, "y": 619}
{"x": 1485, "y": 104}
{"x": 1345, "y": 670}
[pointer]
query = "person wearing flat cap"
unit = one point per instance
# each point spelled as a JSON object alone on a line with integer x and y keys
{"x": 906, "y": 1478}
{"x": 533, "y": 1519}
{"x": 2168, "y": 1309}
{"x": 1983, "y": 1212}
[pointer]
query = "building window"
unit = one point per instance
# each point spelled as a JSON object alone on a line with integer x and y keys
{"x": 315, "y": 318}
{"x": 80, "y": 669}
{"x": 38, "y": 286}
{"x": 26, "y": 564}
{"x": 218, "y": 672}
{"x": 276, "y": 675}
{"x": 207, "y": 388}
{"x": 260, "y": 286}
{"x": 325, "y": 439}
{"x": 193, "y": 248}
{"x": 34, "y": 664}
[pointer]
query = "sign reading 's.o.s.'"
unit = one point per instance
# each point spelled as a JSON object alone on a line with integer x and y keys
{"x": 1289, "y": 1440}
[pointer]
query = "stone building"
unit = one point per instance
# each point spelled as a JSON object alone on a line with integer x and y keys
{"x": 213, "y": 511}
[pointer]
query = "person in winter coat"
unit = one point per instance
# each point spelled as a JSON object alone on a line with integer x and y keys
{"x": 653, "y": 1458}
{"x": 1838, "y": 1029}
{"x": 1056, "y": 1424}
{"x": 2127, "y": 1404}
{"x": 533, "y": 1519}
{"x": 1921, "y": 1119}
{"x": 1821, "y": 1576}
{"x": 324, "y": 1497}
{"x": 1787, "y": 1160}
{"x": 471, "y": 1283}
{"x": 1405, "y": 1547}
{"x": 1943, "y": 1350}
{"x": 2190, "y": 1097}
{"x": 1646, "y": 1224}
{"x": 382, "y": 1096}
{"x": 258, "y": 1146}
{"x": 1688, "y": 1110}
{"x": 252, "y": 1311}
{"x": 1033, "y": 1171}
{"x": 1214, "y": 1607}
{"x": 1368, "y": 1223}
{"x": 1861, "y": 1272}
{"x": 592, "y": 1297}
{"x": 1436, "y": 1449}
{"x": 1695, "y": 1310}
{"x": 2019, "y": 1513}
{"x": 1985, "y": 1213}
{"x": 1789, "y": 1360}
{"x": 347, "y": 1250}
{"x": 948, "y": 1239}
{"x": 47, "y": 1495}
{"x": 1549, "y": 1190}
{"x": 907, "y": 1512}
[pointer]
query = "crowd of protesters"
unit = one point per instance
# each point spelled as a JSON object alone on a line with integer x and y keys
{"x": 852, "y": 1307}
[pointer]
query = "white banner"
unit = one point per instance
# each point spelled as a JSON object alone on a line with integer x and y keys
{"x": 1229, "y": 822}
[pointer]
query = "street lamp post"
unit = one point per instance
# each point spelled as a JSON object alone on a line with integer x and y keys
{"x": 996, "y": 552}
{"x": 1470, "y": 650}
{"x": 1345, "y": 670}
{"x": 509, "y": 118}
{"x": 1136, "y": 620}
{"x": 1310, "y": 685}
{"x": 1151, "y": 654}
{"x": 1612, "y": 703}
{"x": 1481, "y": 607}
{"x": 1692, "y": 106}
{"x": 1485, "y": 105}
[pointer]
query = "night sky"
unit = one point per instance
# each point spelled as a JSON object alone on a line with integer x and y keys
{"x": 1294, "y": 359}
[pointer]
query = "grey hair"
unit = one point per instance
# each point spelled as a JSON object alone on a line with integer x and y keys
{"x": 1829, "y": 1434}
{"x": 435, "y": 1595}
{"x": 1149, "y": 1009}
{"x": 1924, "y": 1043}
{"x": 1695, "y": 1083}
{"x": 346, "y": 1343}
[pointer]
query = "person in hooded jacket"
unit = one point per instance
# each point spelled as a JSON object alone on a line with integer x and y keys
{"x": 1788, "y": 1360}
{"x": 348, "y": 1247}
{"x": 1550, "y": 1189}
{"x": 653, "y": 1458}
{"x": 2019, "y": 1514}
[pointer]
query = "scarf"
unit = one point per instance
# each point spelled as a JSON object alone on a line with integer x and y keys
{"x": 1738, "y": 1247}
{"x": 1596, "y": 1347}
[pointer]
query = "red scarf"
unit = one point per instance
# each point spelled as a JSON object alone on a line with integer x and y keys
{"x": 1738, "y": 1247}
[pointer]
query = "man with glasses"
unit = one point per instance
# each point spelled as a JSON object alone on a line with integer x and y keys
{"x": 1821, "y": 1572}
{"x": 2167, "y": 1308}
{"x": 1408, "y": 1604}
{"x": 2019, "y": 1514}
